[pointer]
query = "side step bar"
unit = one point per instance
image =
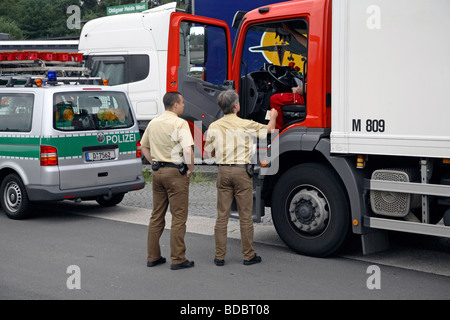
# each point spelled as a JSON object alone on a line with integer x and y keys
{"x": 407, "y": 226}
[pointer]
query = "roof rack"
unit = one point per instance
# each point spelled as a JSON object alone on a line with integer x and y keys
{"x": 25, "y": 67}
{"x": 35, "y": 62}
{"x": 38, "y": 66}
{"x": 30, "y": 80}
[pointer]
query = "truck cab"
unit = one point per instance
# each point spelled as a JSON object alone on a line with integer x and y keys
{"x": 267, "y": 59}
{"x": 163, "y": 49}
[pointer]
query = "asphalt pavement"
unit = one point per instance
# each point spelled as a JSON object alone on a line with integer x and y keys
{"x": 409, "y": 251}
{"x": 108, "y": 246}
{"x": 46, "y": 256}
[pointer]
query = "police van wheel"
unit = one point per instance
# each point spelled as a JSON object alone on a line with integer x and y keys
{"x": 310, "y": 210}
{"x": 14, "y": 197}
{"x": 104, "y": 201}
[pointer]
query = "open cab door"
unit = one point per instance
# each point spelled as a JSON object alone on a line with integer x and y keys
{"x": 199, "y": 66}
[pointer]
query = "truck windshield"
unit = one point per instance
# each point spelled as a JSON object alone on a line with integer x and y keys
{"x": 278, "y": 43}
{"x": 91, "y": 110}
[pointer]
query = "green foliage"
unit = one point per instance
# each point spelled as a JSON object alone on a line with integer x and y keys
{"x": 10, "y": 26}
{"x": 45, "y": 19}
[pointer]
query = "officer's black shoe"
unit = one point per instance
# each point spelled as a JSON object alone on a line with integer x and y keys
{"x": 184, "y": 265}
{"x": 255, "y": 259}
{"x": 161, "y": 260}
{"x": 219, "y": 262}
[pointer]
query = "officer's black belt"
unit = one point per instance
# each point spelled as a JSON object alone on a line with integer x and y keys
{"x": 170, "y": 164}
{"x": 233, "y": 165}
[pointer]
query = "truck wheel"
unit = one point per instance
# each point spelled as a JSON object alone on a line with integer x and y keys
{"x": 115, "y": 199}
{"x": 14, "y": 197}
{"x": 310, "y": 210}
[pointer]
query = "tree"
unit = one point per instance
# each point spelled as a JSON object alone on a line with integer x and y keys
{"x": 9, "y": 26}
{"x": 43, "y": 19}
{"x": 40, "y": 19}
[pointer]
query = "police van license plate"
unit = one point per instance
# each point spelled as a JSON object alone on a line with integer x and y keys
{"x": 100, "y": 155}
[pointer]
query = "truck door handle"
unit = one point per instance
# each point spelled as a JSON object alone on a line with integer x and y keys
{"x": 211, "y": 92}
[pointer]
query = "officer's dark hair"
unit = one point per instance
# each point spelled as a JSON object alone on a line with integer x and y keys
{"x": 226, "y": 100}
{"x": 170, "y": 98}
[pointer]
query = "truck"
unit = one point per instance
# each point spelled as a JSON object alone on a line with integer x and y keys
{"x": 131, "y": 51}
{"x": 367, "y": 152}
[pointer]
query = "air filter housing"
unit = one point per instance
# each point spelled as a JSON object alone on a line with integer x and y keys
{"x": 393, "y": 204}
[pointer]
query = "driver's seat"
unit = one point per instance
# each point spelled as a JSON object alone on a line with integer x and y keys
{"x": 291, "y": 108}
{"x": 293, "y": 113}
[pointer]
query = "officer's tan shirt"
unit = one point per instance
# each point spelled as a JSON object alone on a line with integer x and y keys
{"x": 166, "y": 136}
{"x": 232, "y": 139}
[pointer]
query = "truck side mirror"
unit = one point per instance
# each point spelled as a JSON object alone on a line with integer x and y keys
{"x": 197, "y": 45}
{"x": 198, "y": 72}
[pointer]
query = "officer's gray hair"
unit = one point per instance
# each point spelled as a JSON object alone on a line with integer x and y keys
{"x": 226, "y": 100}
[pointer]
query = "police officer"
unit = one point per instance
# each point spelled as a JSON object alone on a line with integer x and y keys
{"x": 230, "y": 140}
{"x": 167, "y": 144}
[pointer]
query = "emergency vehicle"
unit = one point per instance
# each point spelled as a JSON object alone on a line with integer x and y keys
{"x": 63, "y": 141}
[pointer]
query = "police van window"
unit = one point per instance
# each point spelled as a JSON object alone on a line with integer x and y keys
{"x": 203, "y": 52}
{"x": 120, "y": 69}
{"x": 79, "y": 111}
{"x": 16, "y": 112}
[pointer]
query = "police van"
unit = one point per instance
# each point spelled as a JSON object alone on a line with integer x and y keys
{"x": 60, "y": 142}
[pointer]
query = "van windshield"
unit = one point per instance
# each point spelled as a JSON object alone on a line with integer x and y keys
{"x": 91, "y": 110}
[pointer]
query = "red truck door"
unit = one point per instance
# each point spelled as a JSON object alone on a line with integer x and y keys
{"x": 199, "y": 65}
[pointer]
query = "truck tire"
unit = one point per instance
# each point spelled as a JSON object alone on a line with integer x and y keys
{"x": 14, "y": 197}
{"x": 310, "y": 210}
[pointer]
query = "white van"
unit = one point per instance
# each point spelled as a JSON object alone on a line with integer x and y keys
{"x": 61, "y": 142}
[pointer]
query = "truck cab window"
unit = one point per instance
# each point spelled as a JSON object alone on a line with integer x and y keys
{"x": 203, "y": 52}
{"x": 120, "y": 69}
{"x": 273, "y": 62}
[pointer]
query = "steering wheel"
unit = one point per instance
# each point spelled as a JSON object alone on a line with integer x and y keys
{"x": 286, "y": 79}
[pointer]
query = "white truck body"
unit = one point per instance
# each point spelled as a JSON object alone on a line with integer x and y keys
{"x": 390, "y": 78}
{"x": 144, "y": 33}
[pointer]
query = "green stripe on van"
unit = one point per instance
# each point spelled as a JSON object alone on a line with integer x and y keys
{"x": 69, "y": 145}
{"x": 15, "y": 146}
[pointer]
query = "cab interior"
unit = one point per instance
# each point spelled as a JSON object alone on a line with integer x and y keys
{"x": 273, "y": 61}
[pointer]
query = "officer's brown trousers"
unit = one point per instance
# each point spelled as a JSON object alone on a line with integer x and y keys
{"x": 234, "y": 182}
{"x": 170, "y": 188}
